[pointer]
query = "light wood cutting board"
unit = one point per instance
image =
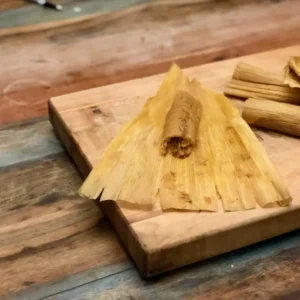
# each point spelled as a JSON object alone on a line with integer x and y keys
{"x": 87, "y": 121}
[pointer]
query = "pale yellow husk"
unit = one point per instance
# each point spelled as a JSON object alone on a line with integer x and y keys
{"x": 294, "y": 63}
{"x": 291, "y": 78}
{"x": 281, "y": 117}
{"x": 252, "y": 82}
{"x": 250, "y": 73}
{"x": 228, "y": 163}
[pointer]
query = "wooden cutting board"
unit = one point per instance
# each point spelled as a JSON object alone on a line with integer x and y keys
{"x": 87, "y": 121}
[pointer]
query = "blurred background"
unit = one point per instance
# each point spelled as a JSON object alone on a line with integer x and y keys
{"x": 45, "y": 52}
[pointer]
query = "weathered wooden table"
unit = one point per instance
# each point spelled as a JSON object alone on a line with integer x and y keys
{"x": 53, "y": 244}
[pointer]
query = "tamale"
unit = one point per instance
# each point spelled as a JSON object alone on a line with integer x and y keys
{"x": 251, "y": 82}
{"x": 181, "y": 126}
{"x": 281, "y": 117}
{"x": 226, "y": 161}
{"x": 243, "y": 89}
{"x": 247, "y": 72}
{"x": 294, "y": 63}
{"x": 189, "y": 183}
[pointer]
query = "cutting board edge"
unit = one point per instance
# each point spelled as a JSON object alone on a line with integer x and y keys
{"x": 126, "y": 235}
{"x": 67, "y": 140}
{"x": 203, "y": 247}
{"x": 151, "y": 262}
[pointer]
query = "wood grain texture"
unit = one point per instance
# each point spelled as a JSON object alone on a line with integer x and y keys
{"x": 268, "y": 270}
{"x": 10, "y": 4}
{"x": 46, "y": 230}
{"x": 27, "y": 140}
{"x": 43, "y": 69}
{"x": 87, "y": 121}
{"x": 86, "y": 54}
{"x": 28, "y": 19}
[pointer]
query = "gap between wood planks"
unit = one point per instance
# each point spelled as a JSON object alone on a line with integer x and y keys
{"x": 86, "y": 283}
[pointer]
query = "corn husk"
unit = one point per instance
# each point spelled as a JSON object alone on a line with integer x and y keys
{"x": 243, "y": 89}
{"x": 130, "y": 167}
{"x": 189, "y": 183}
{"x": 281, "y": 117}
{"x": 247, "y": 72}
{"x": 290, "y": 77}
{"x": 294, "y": 63}
{"x": 227, "y": 161}
{"x": 252, "y": 82}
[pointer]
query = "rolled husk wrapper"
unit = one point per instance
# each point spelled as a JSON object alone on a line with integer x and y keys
{"x": 291, "y": 78}
{"x": 280, "y": 117}
{"x": 294, "y": 64}
{"x": 181, "y": 126}
{"x": 245, "y": 90}
{"x": 249, "y": 73}
{"x": 251, "y": 82}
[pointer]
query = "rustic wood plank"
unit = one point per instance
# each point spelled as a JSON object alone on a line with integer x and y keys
{"x": 87, "y": 54}
{"x": 41, "y": 291}
{"x": 262, "y": 271}
{"x": 60, "y": 73}
{"x": 33, "y": 183}
{"x": 29, "y": 141}
{"x": 13, "y": 4}
{"x": 10, "y": 4}
{"x": 44, "y": 223}
{"x": 97, "y": 246}
{"x": 35, "y": 18}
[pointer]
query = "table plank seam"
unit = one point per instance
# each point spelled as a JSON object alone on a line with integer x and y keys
{"x": 89, "y": 282}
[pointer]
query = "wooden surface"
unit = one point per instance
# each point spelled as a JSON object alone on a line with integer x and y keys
{"x": 91, "y": 263}
{"x": 87, "y": 121}
{"x": 85, "y": 54}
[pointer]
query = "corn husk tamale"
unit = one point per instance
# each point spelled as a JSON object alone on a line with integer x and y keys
{"x": 252, "y": 82}
{"x": 281, "y": 117}
{"x": 189, "y": 183}
{"x": 249, "y": 73}
{"x": 226, "y": 161}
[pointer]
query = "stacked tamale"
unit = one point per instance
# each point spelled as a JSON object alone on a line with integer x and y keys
{"x": 272, "y": 101}
{"x": 252, "y": 82}
{"x": 188, "y": 149}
